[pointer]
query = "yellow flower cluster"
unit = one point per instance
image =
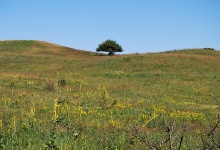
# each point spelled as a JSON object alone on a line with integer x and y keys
{"x": 120, "y": 106}
{"x": 55, "y": 115}
{"x": 187, "y": 115}
{"x": 188, "y": 103}
{"x": 12, "y": 125}
{"x": 159, "y": 109}
{"x": 140, "y": 103}
{"x": 113, "y": 122}
{"x": 81, "y": 111}
{"x": 25, "y": 125}
{"x": 32, "y": 112}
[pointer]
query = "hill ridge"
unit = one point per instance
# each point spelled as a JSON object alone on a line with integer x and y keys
{"x": 38, "y": 47}
{"x": 35, "y": 47}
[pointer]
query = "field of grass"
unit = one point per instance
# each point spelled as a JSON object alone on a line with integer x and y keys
{"x": 54, "y": 97}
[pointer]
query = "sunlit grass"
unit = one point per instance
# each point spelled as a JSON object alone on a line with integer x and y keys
{"x": 55, "y": 98}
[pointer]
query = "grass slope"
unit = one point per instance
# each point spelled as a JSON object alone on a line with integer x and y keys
{"x": 54, "y": 97}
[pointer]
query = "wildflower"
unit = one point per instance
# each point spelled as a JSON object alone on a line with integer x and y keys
{"x": 13, "y": 122}
{"x": 120, "y": 106}
{"x": 187, "y": 115}
{"x": 198, "y": 131}
{"x": 55, "y": 115}
{"x": 0, "y": 124}
{"x": 81, "y": 112}
{"x": 32, "y": 113}
{"x": 13, "y": 125}
{"x": 159, "y": 109}
{"x": 104, "y": 93}
{"x": 111, "y": 121}
{"x": 140, "y": 103}
{"x": 25, "y": 125}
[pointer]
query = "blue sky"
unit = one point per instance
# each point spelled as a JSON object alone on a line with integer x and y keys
{"x": 139, "y": 26}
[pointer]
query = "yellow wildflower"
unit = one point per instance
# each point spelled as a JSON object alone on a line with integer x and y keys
{"x": 55, "y": 115}
{"x": 0, "y": 124}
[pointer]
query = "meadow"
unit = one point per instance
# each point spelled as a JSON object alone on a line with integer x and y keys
{"x": 55, "y": 97}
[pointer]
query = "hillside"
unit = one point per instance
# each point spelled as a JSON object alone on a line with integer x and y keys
{"x": 32, "y": 47}
{"x": 57, "y": 97}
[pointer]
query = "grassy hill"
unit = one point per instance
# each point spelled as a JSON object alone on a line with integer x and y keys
{"x": 55, "y": 97}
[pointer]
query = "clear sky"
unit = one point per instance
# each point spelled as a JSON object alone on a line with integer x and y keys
{"x": 139, "y": 26}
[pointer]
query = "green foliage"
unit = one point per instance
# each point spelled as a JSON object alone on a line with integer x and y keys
{"x": 208, "y": 48}
{"x": 52, "y": 144}
{"x": 109, "y": 46}
{"x": 61, "y": 82}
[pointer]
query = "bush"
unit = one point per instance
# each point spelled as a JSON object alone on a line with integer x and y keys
{"x": 207, "y": 48}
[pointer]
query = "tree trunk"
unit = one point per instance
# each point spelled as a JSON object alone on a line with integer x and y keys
{"x": 111, "y": 53}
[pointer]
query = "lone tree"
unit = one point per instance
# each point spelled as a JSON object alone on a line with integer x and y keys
{"x": 109, "y": 46}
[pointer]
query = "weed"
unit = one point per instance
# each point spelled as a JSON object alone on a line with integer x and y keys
{"x": 52, "y": 143}
{"x": 62, "y": 82}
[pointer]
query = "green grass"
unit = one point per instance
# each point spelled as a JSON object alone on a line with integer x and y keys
{"x": 54, "y": 97}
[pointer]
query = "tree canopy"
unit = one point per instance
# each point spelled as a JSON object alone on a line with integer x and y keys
{"x": 109, "y": 46}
